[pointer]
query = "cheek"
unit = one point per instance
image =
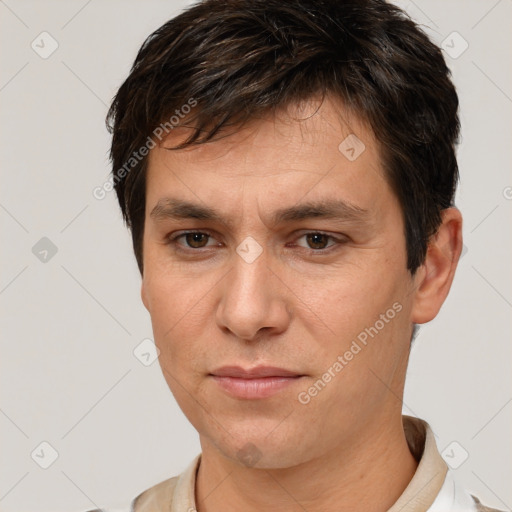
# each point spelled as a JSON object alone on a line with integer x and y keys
{"x": 350, "y": 303}
{"x": 179, "y": 307}
{"x": 368, "y": 320}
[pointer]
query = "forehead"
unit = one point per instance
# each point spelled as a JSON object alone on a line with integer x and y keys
{"x": 311, "y": 148}
{"x": 312, "y": 127}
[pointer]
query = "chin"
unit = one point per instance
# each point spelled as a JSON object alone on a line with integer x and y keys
{"x": 264, "y": 448}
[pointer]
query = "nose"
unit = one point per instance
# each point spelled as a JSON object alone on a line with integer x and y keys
{"x": 254, "y": 299}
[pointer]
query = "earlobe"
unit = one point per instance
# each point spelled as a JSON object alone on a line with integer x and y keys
{"x": 433, "y": 280}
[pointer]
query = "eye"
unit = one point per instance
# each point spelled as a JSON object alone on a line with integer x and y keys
{"x": 193, "y": 239}
{"x": 317, "y": 241}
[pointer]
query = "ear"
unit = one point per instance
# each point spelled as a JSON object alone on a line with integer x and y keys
{"x": 434, "y": 278}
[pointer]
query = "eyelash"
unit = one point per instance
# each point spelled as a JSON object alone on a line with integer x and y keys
{"x": 172, "y": 240}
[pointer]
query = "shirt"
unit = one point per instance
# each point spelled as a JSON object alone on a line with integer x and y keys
{"x": 432, "y": 488}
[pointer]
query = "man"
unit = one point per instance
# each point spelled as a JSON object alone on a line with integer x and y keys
{"x": 287, "y": 169}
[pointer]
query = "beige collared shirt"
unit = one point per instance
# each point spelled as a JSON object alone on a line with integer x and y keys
{"x": 432, "y": 488}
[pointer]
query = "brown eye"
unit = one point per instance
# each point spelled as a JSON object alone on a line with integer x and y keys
{"x": 196, "y": 240}
{"x": 317, "y": 240}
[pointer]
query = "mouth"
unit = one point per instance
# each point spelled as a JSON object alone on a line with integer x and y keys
{"x": 255, "y": 383}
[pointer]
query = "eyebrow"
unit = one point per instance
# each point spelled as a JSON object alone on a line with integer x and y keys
{"x": 169, "y": 208}
{"x": 177, "y": 209}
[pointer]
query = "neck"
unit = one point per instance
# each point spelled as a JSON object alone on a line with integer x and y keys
{"x": 368, "y": 473}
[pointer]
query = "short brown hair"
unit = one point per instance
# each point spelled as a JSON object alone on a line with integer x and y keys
{"x": 239, "y": 58}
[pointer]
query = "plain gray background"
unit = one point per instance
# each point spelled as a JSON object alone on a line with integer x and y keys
{"x": 71, "y": 320}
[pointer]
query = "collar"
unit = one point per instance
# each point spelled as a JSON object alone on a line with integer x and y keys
{"x": 430, "y": 473}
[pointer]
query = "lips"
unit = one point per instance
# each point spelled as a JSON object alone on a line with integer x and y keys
{"x": 254, "y": 383}
{"x": 253, "y": 373}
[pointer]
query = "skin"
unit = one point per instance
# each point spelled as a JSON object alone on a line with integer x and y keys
{"x": 293, "y": 307}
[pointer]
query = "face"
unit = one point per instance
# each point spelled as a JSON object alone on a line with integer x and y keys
{"x": 277, "y": 247}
